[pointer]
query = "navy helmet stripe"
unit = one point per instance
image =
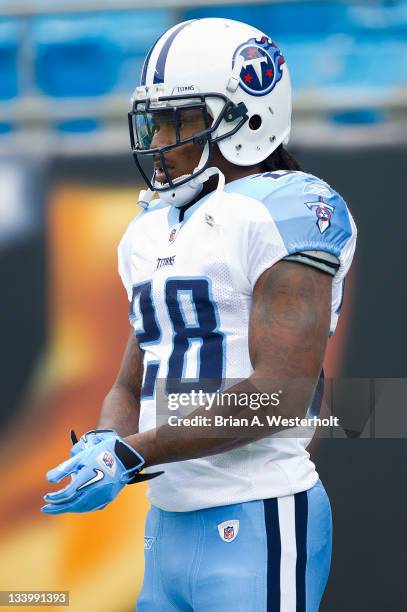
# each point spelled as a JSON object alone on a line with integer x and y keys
{"x": 162, "y": 58}
{"x": 273, "y": 554}
{"x": 301, "y": 524}
{"x": 145, "y": 65}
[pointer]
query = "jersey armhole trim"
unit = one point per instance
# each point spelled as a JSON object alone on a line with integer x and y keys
{"x": 330, "y": 264}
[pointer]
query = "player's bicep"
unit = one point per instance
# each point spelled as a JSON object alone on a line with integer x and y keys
{"x": 130, "y": 373}
{"x": 289, "y": 321}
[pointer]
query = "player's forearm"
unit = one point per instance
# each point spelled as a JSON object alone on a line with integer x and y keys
{"x": 169, "y": 443}
{"x": 120, "y": 411}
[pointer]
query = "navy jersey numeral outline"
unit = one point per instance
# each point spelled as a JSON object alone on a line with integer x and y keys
{"x": 275, "y": 174}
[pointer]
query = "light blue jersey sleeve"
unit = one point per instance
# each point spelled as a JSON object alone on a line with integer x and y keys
{"x": 298, "y": 217}
{"x": 312, "y": 220}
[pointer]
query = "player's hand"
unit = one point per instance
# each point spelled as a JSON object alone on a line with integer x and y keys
{"x": 98, "y": 474}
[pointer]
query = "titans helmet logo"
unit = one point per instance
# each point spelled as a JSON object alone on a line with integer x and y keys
{"x": 261, "y": 65}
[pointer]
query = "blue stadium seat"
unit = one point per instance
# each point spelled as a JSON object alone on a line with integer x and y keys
{"x": 387, "y": 19}
{"x": 279, "y": 19}
{"x": 78, "y": 126}
{"x": 9, "y": 41}
{"x": 346, "y": 62}
{"x": 135, "y": 32}
{"x": 6, "y": 127}
{"x": 74, "y": 56}
{"x": 364, "y": 116}
{"x": 316, "y": 17}
{"x": 77, "y": 56}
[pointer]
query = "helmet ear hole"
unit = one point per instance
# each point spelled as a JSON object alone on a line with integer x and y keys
{"x": 255, "y": 122}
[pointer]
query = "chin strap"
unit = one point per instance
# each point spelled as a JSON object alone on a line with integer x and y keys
{"x": 179, "y": 196}
{"x": 145, "y": 197}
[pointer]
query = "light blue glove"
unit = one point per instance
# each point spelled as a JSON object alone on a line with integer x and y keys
{"x": 98, "y": 474}
{"x": 89, "y": 438}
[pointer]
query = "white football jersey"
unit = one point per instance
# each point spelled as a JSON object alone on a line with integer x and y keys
{"x": 190, "y": 289}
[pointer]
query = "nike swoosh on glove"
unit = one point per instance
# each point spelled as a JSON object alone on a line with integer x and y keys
{"x": 98, "y": 473}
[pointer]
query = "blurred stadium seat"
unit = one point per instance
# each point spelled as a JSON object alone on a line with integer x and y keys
{"x": 135, "y": 33}
{"x": 297, "y": 18}
{"x": 98, "y": 55}
{"x": 9, "y": 41}
{"x": 75, "y": 57}
{"x": 83, "y": 126}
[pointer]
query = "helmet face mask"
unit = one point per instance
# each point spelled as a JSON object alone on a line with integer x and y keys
{"x": 183, "y": 119}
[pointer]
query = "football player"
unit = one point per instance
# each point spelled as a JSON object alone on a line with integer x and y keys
{"x": 234, "y": 269}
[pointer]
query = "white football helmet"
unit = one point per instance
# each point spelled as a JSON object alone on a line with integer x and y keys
{"x": 227, "y": 79}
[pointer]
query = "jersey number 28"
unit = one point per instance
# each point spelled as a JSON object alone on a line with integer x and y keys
{"x": 180, "y": 293}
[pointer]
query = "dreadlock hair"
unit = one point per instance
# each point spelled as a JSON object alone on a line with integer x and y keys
{"x": 281, "y": 159}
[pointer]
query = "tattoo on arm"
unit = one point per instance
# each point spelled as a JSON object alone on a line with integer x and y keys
{"x": 290, "y": 319}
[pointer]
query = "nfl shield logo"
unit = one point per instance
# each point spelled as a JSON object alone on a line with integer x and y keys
{"x": 174, "y": 232}
{"x": 108, "y": 460}
{"x": 228, "y": 530}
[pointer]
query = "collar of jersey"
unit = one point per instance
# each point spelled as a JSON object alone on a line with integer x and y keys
{"x": 227, "y": 187}
{"x": 173, "y": 213}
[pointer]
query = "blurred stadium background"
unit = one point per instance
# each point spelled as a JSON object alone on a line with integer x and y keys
{"x": 68, "y": 187}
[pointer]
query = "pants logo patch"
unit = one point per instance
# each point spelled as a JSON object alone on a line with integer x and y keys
{"x": 148, "y": 543}
{"x": 228, "y": 530}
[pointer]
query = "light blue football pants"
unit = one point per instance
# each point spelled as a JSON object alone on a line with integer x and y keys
{"x": 270, "y": 555}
